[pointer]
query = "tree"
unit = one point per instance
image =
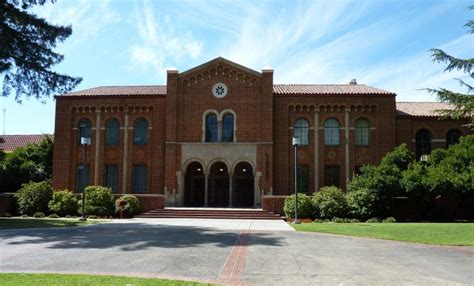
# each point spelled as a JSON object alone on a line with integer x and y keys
{"x": 26, "y": 53}
{"x": 463, "y": 104}
{"x": 31, "y": 163}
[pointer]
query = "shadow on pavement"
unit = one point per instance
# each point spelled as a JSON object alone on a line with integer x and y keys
{"x": 131, "y": 237}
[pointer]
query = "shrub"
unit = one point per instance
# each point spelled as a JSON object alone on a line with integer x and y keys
{"x": 99, "y": 201}
{"x": 305, "y": 206}
{"x": 132, "y": 208}
{"x": 38, "y": 215}
{"x": 339, "y": 220}
{"x": 53, "y": 216}
{"x": 34, "y": 197}
{"x": 92, "y": 217}
{"x": 25, "y": 216}
{"x": 330, "y": 202}
{"x": 362, "y": 203}
{"x": 372, "y": 220}
{"x": 63, "y": 203}
{"x": 5, "y": 215}
{"x": 390, "y": 219}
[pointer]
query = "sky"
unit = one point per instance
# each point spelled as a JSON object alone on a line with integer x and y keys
{"x": 381, "y": 43}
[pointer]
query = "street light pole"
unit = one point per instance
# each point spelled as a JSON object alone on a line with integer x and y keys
{"x": 84, "y": 141}
{"x": 295, "y": 143}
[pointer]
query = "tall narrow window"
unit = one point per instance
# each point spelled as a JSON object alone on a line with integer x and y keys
{"x": 211, "y": 128}
{"x": 302, "y": 175}
{"x": 84, "y": 129}
{"x": 362, "y": 132}
{"x": 111, "y": 177}
{"x": 331, "y": 132}
{"x": 228, "y": 128}
{"x": 81, "y": 181}
{"x": 422, "y": 143}
{"x": 300, "y": 131}
{"x": 331, "y": 175}
{"x": 140, "y": 131}
{"x": 139, "y": 178}
{"x": 452, "y": 137}
{"x": 112, "y": 132}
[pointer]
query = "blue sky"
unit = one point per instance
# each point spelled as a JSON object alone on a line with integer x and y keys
{"x": 379, "y": 42}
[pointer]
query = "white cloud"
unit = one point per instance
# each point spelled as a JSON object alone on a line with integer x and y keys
{"x": 87, "y": 18}
{"x": 160, "y": 42}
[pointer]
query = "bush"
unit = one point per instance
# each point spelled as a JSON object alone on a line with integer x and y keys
{"x": 53, "y": 216}
{"x": 92, "y": 217}
{"x": 305, "y": 207}
{"x": 132, "y": 208}
{"x": 25, "y": 216}
{"x": 330, "y": 202}
{"x": 63, "y": 203}
{"x": 5, "y": 215}
{"x": 38, "y": 215}
{"x": 34, "y": 197}
{"x": 99, "y": 201}
{"x": 362, "y": 203}
{"x": 372, "y": 220}
{"x": 390, "y": 219}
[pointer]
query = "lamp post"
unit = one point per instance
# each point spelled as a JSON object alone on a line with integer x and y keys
{"x": 84, "y": 142}
{"x": 295, "y": 143}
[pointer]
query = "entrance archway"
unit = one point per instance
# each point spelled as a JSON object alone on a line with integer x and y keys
{"x": 218, "y": 195}
{"x": 194, "y": 185}
{"x": 243, "y": 191}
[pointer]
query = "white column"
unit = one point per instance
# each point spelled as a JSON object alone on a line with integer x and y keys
{"x": 316, "y": 150}
{"x": 125, "y": 155}
{"x": 347, "y": 145}
{"x": 97, "y": 148}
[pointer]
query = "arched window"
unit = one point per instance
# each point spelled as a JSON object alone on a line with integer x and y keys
{"x": 331, "y": 132}
{"x": 300, "y": 131}
{"x": 84, "y": 129}
{"x": 362, "y": 132}
{"x": 228, "y": 128}
{"x": 140, "y": 131}
{"x": 422, "y": 143}
{"x": 211, "y": 128}
{"x": 452, "y": 137}
{"x": 112, "y": 132}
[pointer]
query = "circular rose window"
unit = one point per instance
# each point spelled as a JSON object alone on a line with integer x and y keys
{"x": 219, "y": 90}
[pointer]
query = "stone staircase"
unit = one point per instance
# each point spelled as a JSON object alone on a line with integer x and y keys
{"x": 213, "y": 213}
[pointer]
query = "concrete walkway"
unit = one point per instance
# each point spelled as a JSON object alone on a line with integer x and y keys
{"x": 217, "y": 224}
{"x": 231, "y": 252}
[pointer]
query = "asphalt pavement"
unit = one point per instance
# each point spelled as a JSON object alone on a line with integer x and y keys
{"x": 232, "y": 252}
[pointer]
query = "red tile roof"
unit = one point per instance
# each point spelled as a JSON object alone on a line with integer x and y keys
{"x": 121, "y": 90}
{"x": 420, "y": 108}
{"x": 11, "y": 142}
{"x": 327, "y": 89}
{"x": 278, "y": 89}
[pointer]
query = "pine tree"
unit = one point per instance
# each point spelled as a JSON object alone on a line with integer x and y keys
{"x": 462, "y": 103}
{"x": 27, "y": 55}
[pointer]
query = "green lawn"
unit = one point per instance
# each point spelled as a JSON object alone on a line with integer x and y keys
{"x": 25, "y": 279}
{"x": 15, "y": 222}
{"x": 430, "y": 233}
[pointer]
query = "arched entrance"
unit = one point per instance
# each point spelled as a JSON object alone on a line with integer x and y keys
{"x": 218, "y": 195}
{"x": 194, "y": 185}
{"x": 243, "y": 193}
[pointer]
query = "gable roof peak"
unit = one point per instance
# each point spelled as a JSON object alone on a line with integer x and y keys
{"x": 224, "y": 61}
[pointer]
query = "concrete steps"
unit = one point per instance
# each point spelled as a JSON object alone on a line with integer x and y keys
{"x": 215, "y": 213}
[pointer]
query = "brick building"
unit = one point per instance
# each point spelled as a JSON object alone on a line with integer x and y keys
{"x": 219, "y": 135}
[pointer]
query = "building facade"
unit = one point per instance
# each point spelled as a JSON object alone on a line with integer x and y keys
{"x": 220, "y": 135}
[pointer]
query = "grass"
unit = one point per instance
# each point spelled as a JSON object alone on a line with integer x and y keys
{"x": 429, "y": 233}
{"x": 15, "y": 222}
{"x": 24, "y": 279}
